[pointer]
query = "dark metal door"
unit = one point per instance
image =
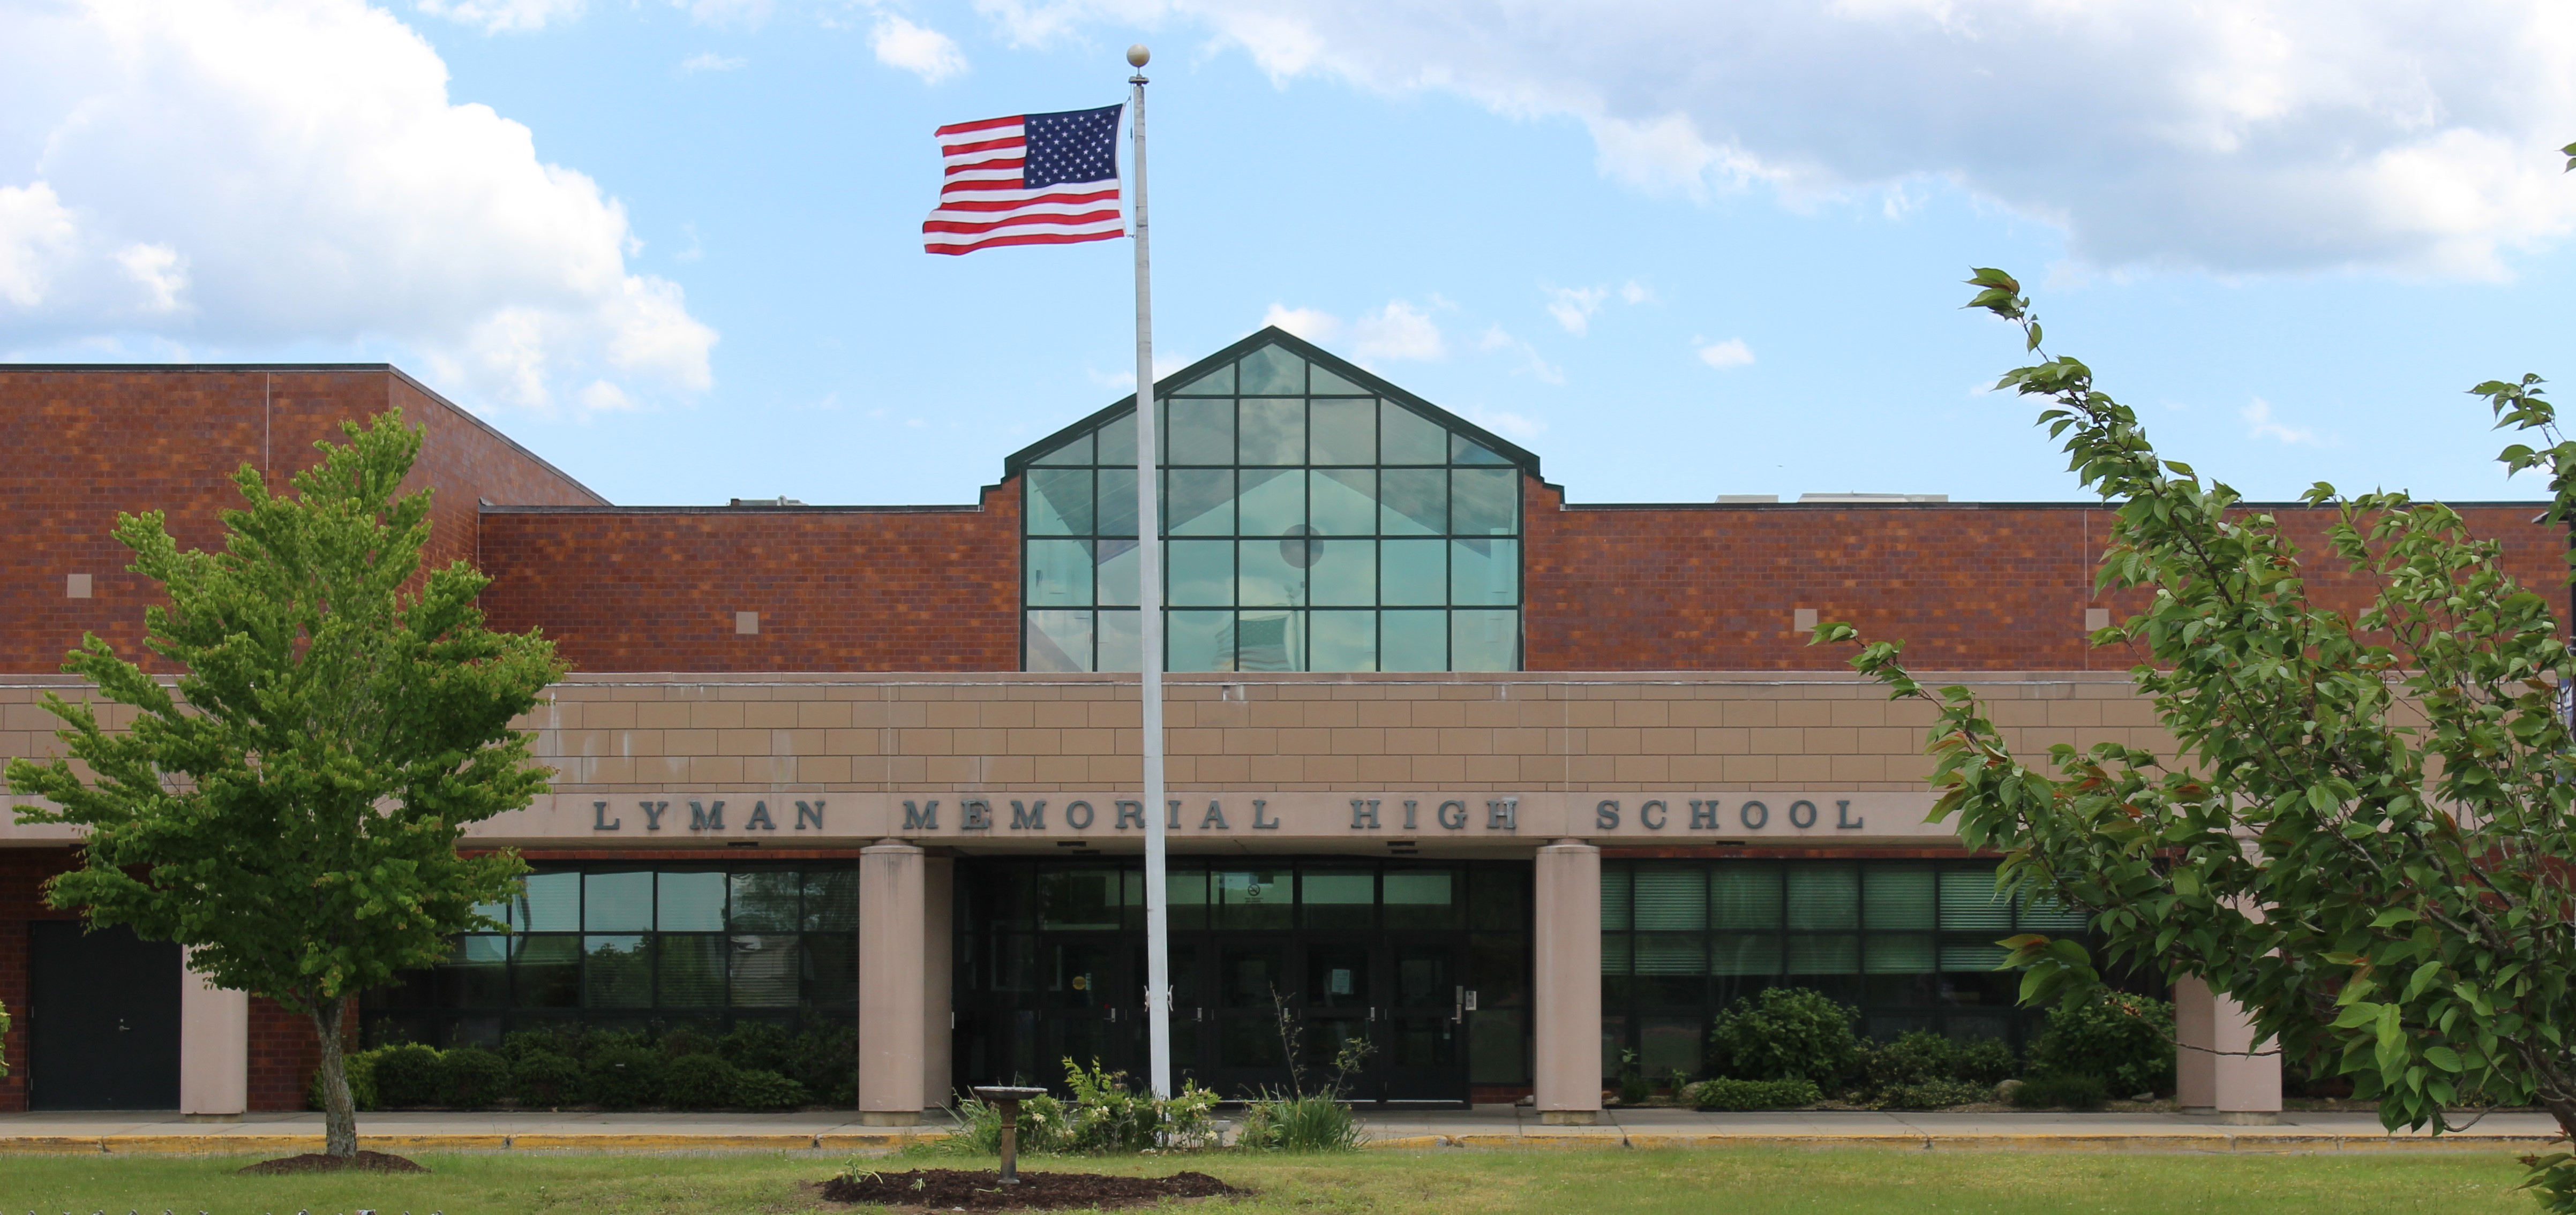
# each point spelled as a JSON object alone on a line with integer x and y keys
{"x": 103, "y": 1023}
{"x": 1420, "y": 1031}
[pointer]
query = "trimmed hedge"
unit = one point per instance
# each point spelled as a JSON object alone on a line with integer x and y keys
{"x": 755, "y": 1066}
{"x": 1753, "y": 1094}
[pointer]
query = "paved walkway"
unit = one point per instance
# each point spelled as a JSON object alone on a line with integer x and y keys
{"x": 1487, "y": 1127}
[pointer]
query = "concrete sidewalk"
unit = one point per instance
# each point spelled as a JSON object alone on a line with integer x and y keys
{"x": 1485, "y": 1127}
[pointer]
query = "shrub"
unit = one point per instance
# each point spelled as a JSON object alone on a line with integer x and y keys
{"x": 2127, "y": 1040}
{"x": 1725, "y": 1094}
{"x": 1985, "y": 1061}
{"x": 545, "y": 1080}
{"x": 1313, "y": 1123}
{"x": 761, "y": 1089}
{"x": 2060, "y": 1090}
{"x": 1108, "y": 1116}
{"x": 623, "y": 1076}
{"x": 1917, "y": 1058}
{"x": 470, "y": 1077}
{"x": 520, "y": 1044}
{"x": 1786, "y": 1033}
{"x": 406, "y": 1076}
{"x": 825, "y": 1060}
{"x": 757, "y": 1046}
{"x": 685, "y": 1041}
{"x": 1043, "y": 1129}
{"x": 1931, "y": 1095}
{"x": 698, "y": 1082}
{"x": 361, "y": 1066}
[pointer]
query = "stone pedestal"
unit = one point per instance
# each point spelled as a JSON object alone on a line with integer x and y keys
{"x": 214, "y": 1050}
{"x": 2240, "y": 1088}
{"x": 893, "y": 915}
{"x": 1566, "y": 983}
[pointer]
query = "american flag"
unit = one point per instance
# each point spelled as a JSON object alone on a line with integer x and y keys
{"x": 1029, "y": 179}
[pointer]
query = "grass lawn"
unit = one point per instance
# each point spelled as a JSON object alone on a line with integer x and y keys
{"x": 1560, "y": 1182}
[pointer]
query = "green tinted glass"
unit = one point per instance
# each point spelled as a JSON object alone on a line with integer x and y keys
{"x": 1343, "y": 641}
{"x": 1074, "y": 451}
{"x": 1413, "y": 641}
{"x": 1272, "y": 431}
{"x": 1344, "y": 432}
{"x": 1899, "y": 899}
{"x": 1059, "y": 640}
{"x": 1201, "y": 431}
{"x": 1060, "y": 501}
{"x": 1271, "y": 371}
{"x": 1217, "y": 383}
{"x": 1406, "y": 437}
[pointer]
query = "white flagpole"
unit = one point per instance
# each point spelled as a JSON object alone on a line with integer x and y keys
{"x": 1149, "y": 586}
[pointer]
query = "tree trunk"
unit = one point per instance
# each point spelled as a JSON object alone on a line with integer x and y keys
{"x": 339, "y": 1110}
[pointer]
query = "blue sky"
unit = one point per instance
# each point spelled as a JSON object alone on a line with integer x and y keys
{"x": 692, "y": 269}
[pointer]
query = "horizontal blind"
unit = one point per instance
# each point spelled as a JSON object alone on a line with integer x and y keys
{"x": 1672, "y": 899}
{"x": 1824, "y": 896}
{"x": 1823, "y": 955}
{"x": 1744, "y": 896}
{"x": 1745, "y": 955}
{"x": 1900, "y": 899}
{"x": 2050, "y": 915}
{"x": 1614, "y": 898}
{"x": 1614, "y": 955}
{"x": 1899, "y": 954}
{"x": 1970, "y": 902}
{"x": 1672, "y": 954}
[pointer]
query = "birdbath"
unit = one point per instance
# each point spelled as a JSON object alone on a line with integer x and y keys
{"x": 1008, "y": 1100}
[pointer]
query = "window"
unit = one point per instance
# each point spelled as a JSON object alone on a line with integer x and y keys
{"x": 1310, "y": 524}
{"x": 1910, "y": 943}
{"x": 629, "y": 945}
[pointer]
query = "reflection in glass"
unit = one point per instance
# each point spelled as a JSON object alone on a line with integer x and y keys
{"x": 1201, "y": 431}
{"x": 1272, "y": 430}
{"x": 1413, "y": 572}
{"x": 1059, "y": 641}
{"x": 1118, "y": 441}
{"x": 1201, "y": 573}
{"x": 1343, "y": 573}
{"x": 1075, "y": 451}
{"x": 690, "y": 902}
{"x": 618, "y": 902}
{"x": 764, "y": 901}
{"x": 620, "y": 972}
{"x": 1271, "y": 371}
{"x": 1327, "y": 384}
{"x": 1485, "y": 501}
{"x": 1059, "y": 501}
{"x": 1899, "y": 898}
{"x": 831, "y": 900}
{"x": 1122, "y": 643}
{"x": 1343, "y": 432}
{"x": 1413, "y": 501}
{"x": 1198, "y": 501}
{"x": 1273, "y": 503}
{"x": 1117, "y": 507}
{"x": 691, "y": 971}
{"x": 1344, "y": 501}
{"x": 1217, "y": 383}
{"x": 1199, "y": 641}
{"x": 1467, "y": 451}
{"x": 1252, "y": 898}
{"x": 763, "y": 971}
{"x": 1413, "y": 641}
{"x": 1339, "y": 899}
{"x": 1484, "y": 573}
{"x": 1272, "y": 573}
{"x": 547, "y": 970}
{"x": 1270, "y": 641}
{"x": 1059, "y": 573}
{"x": 1343, "y": 641}
{"x": 1117, "y": 577}
{"x": 550, "y": 902}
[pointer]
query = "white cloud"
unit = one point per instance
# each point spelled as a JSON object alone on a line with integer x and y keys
{"x": 917, "y": 49}
{"x": 246, "y": 173}
{"x": 1397, "y": 331}
{"x": 1573, "y": 306}
{"x": 1495, "y": 339}
{"x": 1638, "y": 293}
{"x": 2259, "y": 425}
{"x": 504, "y": 16}
{"x": 709, "y": 61}
{"x": 746, "y": 13}
{"x": 1312, "y": 324}
{"x": 1722, "y": 355}
{"x": 2248, "y": 137}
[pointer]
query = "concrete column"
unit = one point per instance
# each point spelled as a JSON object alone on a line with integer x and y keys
{"x": 214, "y": 1049}
{"x": 2238, "y": 1087}
{"x": 938, "y": 968}
{"x": 892, "y": 906}
{"x": 1566, "y": 985}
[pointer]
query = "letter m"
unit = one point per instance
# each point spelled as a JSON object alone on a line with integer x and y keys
{"x": 918, "y": 818}
{"x": 1028, "y": 820}
{"x": 703, "y": 819}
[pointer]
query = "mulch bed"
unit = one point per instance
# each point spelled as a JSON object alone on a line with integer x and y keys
{"x": 317, "y": 1162}
{"x": 951, "y": 1189}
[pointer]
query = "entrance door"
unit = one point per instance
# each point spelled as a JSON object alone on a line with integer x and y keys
{"x": 104, "y": 1020}
{"x": 1420, "y": 1035}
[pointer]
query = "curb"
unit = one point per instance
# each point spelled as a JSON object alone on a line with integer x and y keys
{"x": 218, "y": 1145}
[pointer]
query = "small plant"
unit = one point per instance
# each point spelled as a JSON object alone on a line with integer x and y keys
{"x": 1939, "y": 1093}
{"x": 2061, "y": 1090}
{"x": 1786, "y": 1033}
{"x": 407, "y": 1076}
{"x": 470, "y": 1077}
{"x": 1725, "y": 1094}
{"x": 1299, "y": 1120}
{"x": 699, "y": 1082}
{"x": 1632, "y": 1086}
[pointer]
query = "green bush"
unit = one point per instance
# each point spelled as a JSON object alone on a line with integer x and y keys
{"x": 407, "y": 1076}
{"x": 623, "y": 1076}
{"x": 1786, "y": 1033}
{"x": 1108, "y": 1116}
{"x": 757, "y": 1046}
{"x": 1726, "y": 1094}
{"x": 825, "y": 1060}
{"x": 685, "y": 1041}
{"x": 1931, "y": 1095}
{"x": 470, "y": 1078}
{"x": 1314, "y": 1123}
{"x": 2061, "y": 1090}
{"x": 564, "y": 1042}
{"x": 2127, "y": 1040}
{"x": 545, "y": 1080}
{"x": 698, "y": 1082}
{"x": 1985, "y": 1061}
{"x": 361, "y": 1066}
{"x": 1917, "y": 1058}
{"x": 762, "y": 1089}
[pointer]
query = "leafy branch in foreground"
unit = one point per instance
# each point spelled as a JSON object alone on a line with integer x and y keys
{"x": 292, "y": 814}
{"x": 2363, "y": 831}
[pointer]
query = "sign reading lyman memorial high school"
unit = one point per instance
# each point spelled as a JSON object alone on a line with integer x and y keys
{"x": 812, "y": 818}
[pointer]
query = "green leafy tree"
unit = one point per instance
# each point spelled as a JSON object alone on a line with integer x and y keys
{"x": 291, "y": 815}
{"x": 2364, "y": 835}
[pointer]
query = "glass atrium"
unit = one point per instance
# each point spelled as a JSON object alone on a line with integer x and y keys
{"x": 1312, "y": 522}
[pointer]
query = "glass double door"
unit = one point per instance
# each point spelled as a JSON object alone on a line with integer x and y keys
{"x": 1380, "y": 1016}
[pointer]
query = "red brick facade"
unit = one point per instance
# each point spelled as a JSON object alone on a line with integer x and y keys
{"x": 23, "y": 872}
{"x": 85, "y": 444}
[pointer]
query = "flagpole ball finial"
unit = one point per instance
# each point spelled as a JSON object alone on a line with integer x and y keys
{"x": 1137, "y": 55}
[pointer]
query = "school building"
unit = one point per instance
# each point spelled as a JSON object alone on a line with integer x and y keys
{"x": 1513, "y": 786}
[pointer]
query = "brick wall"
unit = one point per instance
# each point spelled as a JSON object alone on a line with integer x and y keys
{"x": 87, "y": 443}
{"x": 847, "y": 589}
{"x": 284, "y": 1055}
{"x": 1969, "y": 587}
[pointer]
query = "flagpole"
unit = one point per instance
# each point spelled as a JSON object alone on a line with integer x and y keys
{"x": 1149, "y": 586}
